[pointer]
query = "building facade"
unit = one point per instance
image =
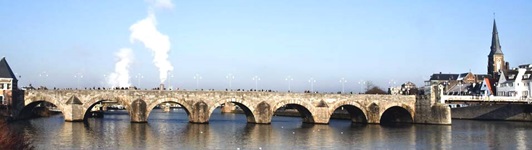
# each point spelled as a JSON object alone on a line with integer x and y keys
{"x": 516, "y": 82}
{"x": 8, "y": 89}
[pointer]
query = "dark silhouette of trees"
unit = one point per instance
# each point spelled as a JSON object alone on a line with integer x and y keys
{"x": 11, "y": 140}
{"x": 373, "y": 89}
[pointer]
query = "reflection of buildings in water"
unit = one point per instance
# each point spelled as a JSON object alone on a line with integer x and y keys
{"x": 521, "y": 139}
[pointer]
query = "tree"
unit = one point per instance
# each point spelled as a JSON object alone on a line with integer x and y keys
{"x": 12, "y": 140}
{"x": 369, "y": 85}
{"x": 375, "y": 90}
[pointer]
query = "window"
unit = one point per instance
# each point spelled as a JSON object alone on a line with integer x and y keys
{"x": 2, "y": 100}
{"x": 8, "y": 86}
{"x": 1, "y": 86}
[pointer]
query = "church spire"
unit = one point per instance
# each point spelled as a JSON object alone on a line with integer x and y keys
{"x": 495, "y": 45}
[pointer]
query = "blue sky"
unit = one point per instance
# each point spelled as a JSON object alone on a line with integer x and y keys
{"x": 325, "y": 40}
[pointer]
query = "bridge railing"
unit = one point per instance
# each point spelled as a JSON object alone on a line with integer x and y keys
{"x": 445, "y": 98}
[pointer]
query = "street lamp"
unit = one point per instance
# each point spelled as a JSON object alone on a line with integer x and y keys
{"x": 311, "y": 81}
{"x": 105, "y": 80}
{"x": 256, "y": 79}
{"x": 170, "y": 76}
{"x": 460, "y": 84}
{"x": 391, "y": 83}
{"x": 343, "y": 81}
{"x": 362, "y": 83}
{"x": 289, "y": 79}
{"x": 18, "y": 78}
{"x": 44, "y": 75}
{"x": 197, "y": 77}
{"x": 139, "y": 76}
{"x": 230, "y": 77}
{"x": 78, "y": 76}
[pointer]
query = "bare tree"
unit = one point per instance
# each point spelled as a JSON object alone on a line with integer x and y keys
{"x": 373, "y": 89}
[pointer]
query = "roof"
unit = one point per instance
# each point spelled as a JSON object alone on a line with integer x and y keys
{"x": 508, "y": 73}
{"x": 482, "y": 76}
{"x": 440, "y": 76}
{"x": 5, "y": 70}
{"x": 74, "y": 100}
{"x": 495, "y": 44}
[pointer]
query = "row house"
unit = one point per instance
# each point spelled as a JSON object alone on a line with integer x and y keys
{"x": 515, "y": 82}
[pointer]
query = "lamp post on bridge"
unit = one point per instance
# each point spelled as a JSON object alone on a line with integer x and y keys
{"x": 391, "y": 83}
{"x": 18, "y": 78}
{"x": 197, "y": 77}
{"x": 170, "y": 76}
{"x": 256, "y": 79}
{"x": 105, "y": 80}
{"x": 311, "y": 81}
{"x": 139, "y": 76}
{"x": 289, "y": 79}
{"x": 44, "y": 75}
{"x": 230, "y": 77}
{"x": 362, "y": 83}
{"x": 460, "y": 84}
{"x": 343, "y": 81}
{"x": 78, "y": 76}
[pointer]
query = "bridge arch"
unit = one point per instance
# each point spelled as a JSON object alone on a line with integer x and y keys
{"x": 245, "y": 105}
{"x": 305, "y": 108}
{"x": 181, "y": 102}
{"x": 87, "y": 106}
{"x": 357, "y": 113}
{"x": 31, "y": 102}
{"x": 397, "y": 113}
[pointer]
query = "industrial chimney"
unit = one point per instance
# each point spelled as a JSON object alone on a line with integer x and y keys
{"x": 161, "y": 87}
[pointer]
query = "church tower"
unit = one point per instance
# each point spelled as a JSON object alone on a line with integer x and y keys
{"x": 496, "y": 61}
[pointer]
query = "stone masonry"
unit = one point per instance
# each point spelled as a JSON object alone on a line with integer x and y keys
{"x": 259, "y": 107}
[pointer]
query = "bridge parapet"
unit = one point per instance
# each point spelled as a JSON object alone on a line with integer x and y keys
{"x": 469, "y": 98}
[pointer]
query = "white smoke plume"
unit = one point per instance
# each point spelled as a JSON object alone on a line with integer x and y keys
{"x": 145, "y": 31}
{"x": 120, "y": 78}
{"x": 167, "y": 4}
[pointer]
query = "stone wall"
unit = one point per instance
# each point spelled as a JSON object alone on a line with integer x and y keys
{"x": 430, "y": 111}
{"x": 511, "y": 112}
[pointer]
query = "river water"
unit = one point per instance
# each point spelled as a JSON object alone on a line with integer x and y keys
{"x": 230, "y": 131}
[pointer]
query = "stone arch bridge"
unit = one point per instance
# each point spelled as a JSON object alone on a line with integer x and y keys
{"x": 259, "y": 107}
